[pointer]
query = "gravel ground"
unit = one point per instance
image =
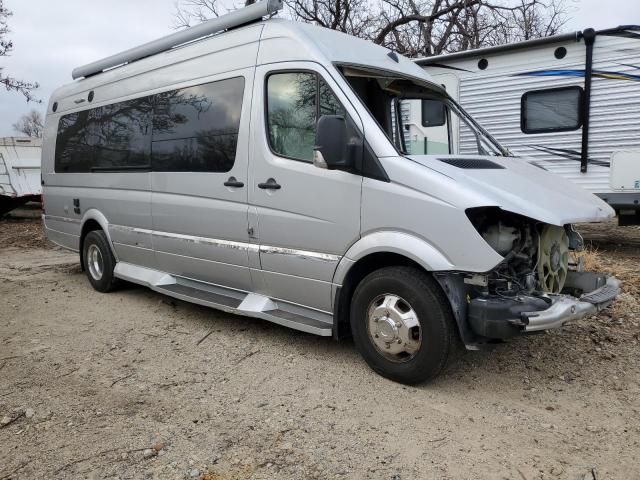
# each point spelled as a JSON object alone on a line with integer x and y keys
{"x": 133, "y": 384}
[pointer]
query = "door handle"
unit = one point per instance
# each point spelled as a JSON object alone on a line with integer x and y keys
{"x": 233, "y": 182}
{"x": 270, "y": 184}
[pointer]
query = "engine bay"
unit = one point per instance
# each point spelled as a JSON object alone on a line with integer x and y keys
{"x": 536, "y": 255}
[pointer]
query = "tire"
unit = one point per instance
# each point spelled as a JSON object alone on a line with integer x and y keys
{"x": 98, "y": 261}
{"x": 410, "y": 293}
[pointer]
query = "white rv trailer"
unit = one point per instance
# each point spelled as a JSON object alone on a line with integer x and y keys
{"x": 19, "y": 172}
{"x": 570, "y": 102}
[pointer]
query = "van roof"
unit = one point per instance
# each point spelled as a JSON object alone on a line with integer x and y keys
{"x": 281, "y": 41}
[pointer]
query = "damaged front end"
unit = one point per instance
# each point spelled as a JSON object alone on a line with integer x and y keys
{"x": 536, "y": 287}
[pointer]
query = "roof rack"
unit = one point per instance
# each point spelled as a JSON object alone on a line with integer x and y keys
{"x": 236, "y": 18}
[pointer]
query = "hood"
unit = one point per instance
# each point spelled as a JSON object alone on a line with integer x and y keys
{"x": 517, "y": 186}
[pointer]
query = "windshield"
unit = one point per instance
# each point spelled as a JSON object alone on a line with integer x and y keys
{"x": 418, "y": 118}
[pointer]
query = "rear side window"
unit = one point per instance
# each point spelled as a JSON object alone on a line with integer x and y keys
{"x": 191, "y": 129}
{"x": 295, "y": 102}
{"x": 551, "y": 110}
{"x": 113, "y": 137}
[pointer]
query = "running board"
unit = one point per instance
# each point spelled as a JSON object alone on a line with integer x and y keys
{"x": 228, "y": 300}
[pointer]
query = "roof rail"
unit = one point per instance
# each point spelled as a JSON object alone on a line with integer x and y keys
{"x": 232, "y": 19}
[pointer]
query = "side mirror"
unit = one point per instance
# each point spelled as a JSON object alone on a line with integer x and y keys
{"x": 333, "y": 149}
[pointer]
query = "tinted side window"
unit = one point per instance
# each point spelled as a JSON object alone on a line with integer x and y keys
{"x": 195, "y": 129}
{"x": 112, "y": 137}
{"x": 552, "y": 110}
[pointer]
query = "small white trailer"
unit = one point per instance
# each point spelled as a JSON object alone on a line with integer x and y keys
{"x": 19, "y": 172}
{"x": 569, "y": 102}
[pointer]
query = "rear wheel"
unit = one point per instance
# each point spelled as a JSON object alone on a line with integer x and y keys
{"x": 99, "y": 261}
{"x": 402, "y": 324}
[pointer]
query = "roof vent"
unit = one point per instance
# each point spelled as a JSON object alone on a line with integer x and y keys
{"x": 472, "y": 163}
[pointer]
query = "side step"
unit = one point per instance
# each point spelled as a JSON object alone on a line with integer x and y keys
{"x": 229, "y": 300}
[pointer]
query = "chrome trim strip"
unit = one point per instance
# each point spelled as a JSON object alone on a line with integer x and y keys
{"x": 252, "y": 247}
{"x": 211, "y": 241}
{"x": 325, "y": 257}
{"x": 127, "y": 245}
{"x": 123, "y": 228}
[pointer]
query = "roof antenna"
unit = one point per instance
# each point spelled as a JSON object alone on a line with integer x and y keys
{"x": 393, "y": 56}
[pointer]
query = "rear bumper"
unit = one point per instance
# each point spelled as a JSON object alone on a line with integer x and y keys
{"x": 501, "y": 318}
{"x": 622, "y": 200}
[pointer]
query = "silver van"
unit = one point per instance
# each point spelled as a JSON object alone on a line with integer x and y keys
{"x": 263, "y": 171}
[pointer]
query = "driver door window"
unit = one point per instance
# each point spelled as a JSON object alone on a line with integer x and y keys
{"x": 295, "y": 102}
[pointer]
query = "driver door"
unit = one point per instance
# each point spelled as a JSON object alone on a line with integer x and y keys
{"x": 303, "y": 217}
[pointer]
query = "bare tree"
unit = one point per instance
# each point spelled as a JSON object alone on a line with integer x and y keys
{"x": 10, "y": 83}
{"x": 415, "y": 27}
{"x": 349, "y": 16}
{"x": 498, "y": 23}
{"x": 30, "y": 124}
{"x": 432, "y": 27}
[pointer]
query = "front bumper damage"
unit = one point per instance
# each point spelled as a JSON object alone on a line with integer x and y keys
{"x": 566, "y": 307}
{"x": 501, "y": 318}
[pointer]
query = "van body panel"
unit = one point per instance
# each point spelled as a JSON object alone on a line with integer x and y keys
{"x": 307, "y": 225}
{"x": 203, "y": 270}
{"x": 62, "y": 231}
{"x": 430, "y": 211}
{"x": 310, "y": 293}
{"x": 398, "y": 242}
{"x": 122, "y": 199}
{"x": 195, "y": 216}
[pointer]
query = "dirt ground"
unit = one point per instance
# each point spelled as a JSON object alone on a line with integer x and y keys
{"x": 128, "y": 385}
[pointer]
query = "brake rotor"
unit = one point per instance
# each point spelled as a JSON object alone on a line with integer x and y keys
{"x": 553, "y": 258}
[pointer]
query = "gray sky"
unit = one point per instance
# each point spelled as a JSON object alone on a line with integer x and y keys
{"x": 51, "y": 38}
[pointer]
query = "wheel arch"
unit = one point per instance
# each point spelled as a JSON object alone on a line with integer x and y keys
{"x": 372, "y": 252}
{"x": 94, "y": 220}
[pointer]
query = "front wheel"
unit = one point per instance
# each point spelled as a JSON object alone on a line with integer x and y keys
{"x": 99, "y": 261}
{"x": 402, "y": 324}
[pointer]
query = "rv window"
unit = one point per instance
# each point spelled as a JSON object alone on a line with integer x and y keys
{"x": 195, "y": 129}
{"x": 295, "y": 101}
{"x": 551, "y": 110}
{"x": 433, "y": 113}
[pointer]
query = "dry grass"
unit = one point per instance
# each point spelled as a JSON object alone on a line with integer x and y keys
{"x": 622, "y": 266}
{"x": 21, "y": 233}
